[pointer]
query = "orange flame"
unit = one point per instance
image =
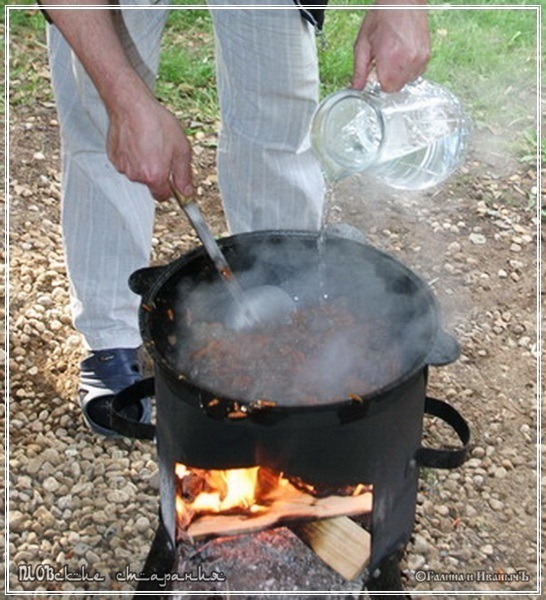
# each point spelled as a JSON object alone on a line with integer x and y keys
{"x": 248, "y": 490}
{"x": 218, "y": 491}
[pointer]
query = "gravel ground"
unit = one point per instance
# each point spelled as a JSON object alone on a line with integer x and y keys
{"x": 77, "y": 501}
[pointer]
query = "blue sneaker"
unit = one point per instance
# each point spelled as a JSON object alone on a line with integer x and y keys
{"x": 102, "y": 375}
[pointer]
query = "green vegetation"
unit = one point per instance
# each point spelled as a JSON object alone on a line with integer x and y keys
{"x": 487, "y": 57}
{"x": 186, "y": 77}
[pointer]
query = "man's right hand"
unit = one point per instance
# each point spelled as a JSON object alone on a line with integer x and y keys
{"x": 147, "y": 144}
{"x": 145, "y": 141}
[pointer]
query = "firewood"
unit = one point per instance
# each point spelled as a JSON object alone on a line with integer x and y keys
{"x": 339, "y": 542}
{"x": 289, "y": 507}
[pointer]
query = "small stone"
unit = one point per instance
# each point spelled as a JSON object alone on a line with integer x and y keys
{"x": 80, "y": 549}
{"x": 87, "y": 454}
{"x": 142, "y": 524}
{"x": 117, "y": 496}
{"x": 420, "y": 545}
{"x": 524, "y": 341}
{"x": 17, "y": 521}
{"x": 477, "y": 238}
{"x": 496, "y": 505}
{"x": 24, "y": 483}
{"x": 416, "y": 562}
{"x": 73, "y": 537}
{"x": 75, "y": 470}
{"x": 23, "y": 556}
{"x": 92, "y": 557}
{"x": 101, "y": 518}
{"x": 45, "y": 300}
{"x": 454, "y": 247}
{"x": 478, "y": 481}
{"x": 55, "y": 325}
{"x": 52, "y": 456}
{"x": 487, "y": 549}
{"x": 500, "y": 473}
{"x": 51, "y": 485}
{"x": 478, "y": 452}
{"x": 153, "y": 480}
{"x": 64, "y": 502}
{"x": 45, "y": 517}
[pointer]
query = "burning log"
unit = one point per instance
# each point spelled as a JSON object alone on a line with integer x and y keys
{"x": 220, "y": 503}
{"x": 191, "y": 486}
{"x": 295, "y": 506}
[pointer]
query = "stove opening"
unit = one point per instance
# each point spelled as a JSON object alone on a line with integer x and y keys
{"x": 233, "y": 501}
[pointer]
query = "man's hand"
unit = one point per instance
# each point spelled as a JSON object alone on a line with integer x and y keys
{"x": 147, "y": 144}
{"x": 145, "y": 141}
{"x": 395, "y": 42}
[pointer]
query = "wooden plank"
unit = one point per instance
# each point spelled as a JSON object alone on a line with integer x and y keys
{"x": 340, "y": 542}
{"x": 289, "y": 507}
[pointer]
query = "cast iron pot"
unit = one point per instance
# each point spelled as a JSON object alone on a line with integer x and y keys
{"x": 301, "y": 439}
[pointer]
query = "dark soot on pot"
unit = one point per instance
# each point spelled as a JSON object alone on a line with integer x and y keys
{"x": 356, "y": 330}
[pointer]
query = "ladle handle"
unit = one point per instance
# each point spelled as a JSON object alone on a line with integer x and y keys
{"x": 182, "y": 200}
{"x": 192, "y": 212}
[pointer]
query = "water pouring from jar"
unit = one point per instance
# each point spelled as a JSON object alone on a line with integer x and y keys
{"x": 248, "y": 308}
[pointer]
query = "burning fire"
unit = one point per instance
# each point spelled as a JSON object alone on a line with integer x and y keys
{"x": 222, "y": 491}
{"x": 247, "y": 491}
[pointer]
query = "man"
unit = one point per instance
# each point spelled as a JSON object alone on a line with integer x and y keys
{"x": 121, "y": 147}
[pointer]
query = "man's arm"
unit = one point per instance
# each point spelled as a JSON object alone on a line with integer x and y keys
{"x": 395, "y": 42}
{"x": 145, "y": 141}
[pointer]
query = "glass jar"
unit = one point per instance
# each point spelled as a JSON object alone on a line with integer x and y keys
{"x": 410, "y": 140}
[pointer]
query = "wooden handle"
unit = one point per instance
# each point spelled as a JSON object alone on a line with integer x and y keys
{"x": 182, "y": 201}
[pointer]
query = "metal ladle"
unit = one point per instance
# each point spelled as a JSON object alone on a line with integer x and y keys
{"x": 259, "y": 305}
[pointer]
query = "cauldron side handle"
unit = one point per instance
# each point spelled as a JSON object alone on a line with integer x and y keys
{"x": 446, "y": 349}
{"x": 141, "y": 281}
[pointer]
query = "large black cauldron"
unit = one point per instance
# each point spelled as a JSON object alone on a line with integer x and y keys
{"x": 375, "y": 440}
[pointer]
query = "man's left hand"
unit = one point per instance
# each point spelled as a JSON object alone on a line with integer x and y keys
{"x": 393, "y": 41}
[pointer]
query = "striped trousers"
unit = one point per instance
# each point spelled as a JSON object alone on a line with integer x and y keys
{"x": 267, "y": 79}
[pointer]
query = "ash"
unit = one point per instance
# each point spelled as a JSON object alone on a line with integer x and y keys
{"x": 267, "y": 561}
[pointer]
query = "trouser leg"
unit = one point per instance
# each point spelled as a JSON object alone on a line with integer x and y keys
{"x": 107, "y": 220}
{"x": 268, "y": 89}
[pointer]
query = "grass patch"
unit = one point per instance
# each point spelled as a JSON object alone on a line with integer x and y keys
{"x": 486, "y": 57}
{"x": 29, "y": 73}
{"x": 187, "y": 79}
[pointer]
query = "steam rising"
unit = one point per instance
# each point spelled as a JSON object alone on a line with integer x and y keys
{"x": 362, "y": 322}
